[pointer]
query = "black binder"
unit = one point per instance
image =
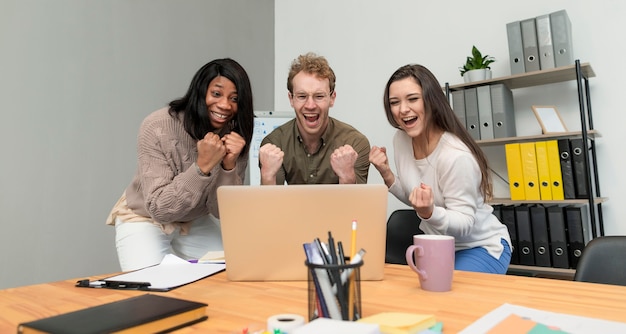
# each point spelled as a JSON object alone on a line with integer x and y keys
{"x": 567, "y": 173}
{"x": 524, "y": 236}
{"x": 541, "y": 242}
{"x": 508, "y": 219}
{"x": 575, "y": 233}
{"x": 581, "y": 184}
{"x": 558, "y": 237}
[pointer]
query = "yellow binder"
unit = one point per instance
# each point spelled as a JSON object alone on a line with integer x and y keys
{"x": 543, "y": 171}
{"x": 554, "y": 163}
{"x": 529, "y": 170}
{"x": 514, "y": 168}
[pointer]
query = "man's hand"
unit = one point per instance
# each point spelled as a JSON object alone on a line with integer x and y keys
{"x": 342, "y": 161}
{"x": 271, "y": 160}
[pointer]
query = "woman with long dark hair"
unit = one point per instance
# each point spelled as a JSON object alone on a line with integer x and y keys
{"x": 185, "y": 152}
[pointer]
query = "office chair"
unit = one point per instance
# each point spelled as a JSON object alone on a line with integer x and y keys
{"x": 402, "y": 225}
{"x": 603, "y": 261}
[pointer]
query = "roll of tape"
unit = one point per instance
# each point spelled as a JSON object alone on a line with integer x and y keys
{"x": 284, "y": 322}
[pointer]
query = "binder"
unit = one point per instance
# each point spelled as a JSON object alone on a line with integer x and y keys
{"x": 541, "y": 240}
{"x": 544, "y": 42}
{"x": 554, "y": 165}
{"x": 579, "y": 166}
{"x": 524, "y": 235}
{"x": 503, "y": 111}
{"x": 561, "y": 38}
{"x": 543, "y": 171}
{"x": 458, "y": 105}
{"x": 567, "y": 173}
{"x": 558, "y": 237}
{"x": 485, "y": 117}
{"x": 514, "y": 169}
{"x": 575, "y": 233}
{"x": 529, "y": 171}
{"x": 508, "y": 219}
{"x": 529, "y": 41}
{"x": 516, "y": 49}
{"x": 471, "y": 113}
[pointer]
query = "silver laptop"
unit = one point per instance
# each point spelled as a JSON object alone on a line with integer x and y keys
{"x": 264, "y": 227}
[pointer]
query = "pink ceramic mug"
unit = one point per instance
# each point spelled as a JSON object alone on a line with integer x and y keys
{"x": 434, "y": 260}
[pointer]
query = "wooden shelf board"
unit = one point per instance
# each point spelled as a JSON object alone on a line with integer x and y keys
{"x": 535, "y": 78}
{"x": 592, "y": 134}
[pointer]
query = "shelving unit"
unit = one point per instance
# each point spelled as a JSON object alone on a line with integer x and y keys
{"x": 580, "y": 73}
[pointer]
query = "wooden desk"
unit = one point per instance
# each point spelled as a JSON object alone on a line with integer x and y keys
{"x": 235, "y": 305}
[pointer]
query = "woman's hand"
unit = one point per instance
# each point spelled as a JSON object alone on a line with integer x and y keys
{"x": 211, "y": 150}
{"x": 233, "y": 143}
{"x": 378, "y": 158}
{"x": 423, "y": 200}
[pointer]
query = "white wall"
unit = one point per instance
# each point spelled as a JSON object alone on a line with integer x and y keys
{"x": 365, "y": 41}
{"x": 76, "y": 79}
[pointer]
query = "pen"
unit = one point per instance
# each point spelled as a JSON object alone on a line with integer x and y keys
{"x": 341, "y": 298}
{"x": 126, "y": 285}
{"x": 331, "y": 248}
{"x": 353, "y": 239}
{"x": 345, "y": 275}
{"x": 324, "y": 255}
{"x": 353, "y": 255}
{"x": 342, "y": 257}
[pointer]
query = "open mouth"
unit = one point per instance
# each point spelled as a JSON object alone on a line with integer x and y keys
{"x": 219, "y": 116}
{"x": 408, "y": 121}
{"x": 311, "y": 118}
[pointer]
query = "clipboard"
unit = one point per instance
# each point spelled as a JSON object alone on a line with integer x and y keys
{"x": 171, "y": 273}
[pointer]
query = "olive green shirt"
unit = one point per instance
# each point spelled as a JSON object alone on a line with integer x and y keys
{"x": 300, "y": 167}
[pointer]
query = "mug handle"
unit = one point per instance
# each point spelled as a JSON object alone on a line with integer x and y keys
{"x": 409, "y": 259}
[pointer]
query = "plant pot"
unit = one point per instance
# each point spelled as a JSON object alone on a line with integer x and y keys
{"x": 477, "y": 75}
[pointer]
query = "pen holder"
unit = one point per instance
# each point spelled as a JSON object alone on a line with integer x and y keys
{"x": 326, "y": 298}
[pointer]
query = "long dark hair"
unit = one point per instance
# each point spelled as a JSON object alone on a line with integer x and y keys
{"x": 439, "y": 114}
{"x": 193, "y": 104}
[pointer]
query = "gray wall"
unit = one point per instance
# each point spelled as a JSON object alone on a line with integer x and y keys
{"x": 76, "y": 79}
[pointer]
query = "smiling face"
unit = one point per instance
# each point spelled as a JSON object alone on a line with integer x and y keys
{"x": 407, "y": 106}
{"x": 221, "y": 101}
{"x": 311, "y": 99}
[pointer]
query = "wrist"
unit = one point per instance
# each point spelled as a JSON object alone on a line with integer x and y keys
{"x": 200, "y": 172}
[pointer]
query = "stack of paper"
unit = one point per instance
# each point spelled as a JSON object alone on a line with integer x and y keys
{"x": 401, "y": 323}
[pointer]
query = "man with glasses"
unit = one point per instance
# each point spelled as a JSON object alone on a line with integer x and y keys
{"x": 313, "y": 148}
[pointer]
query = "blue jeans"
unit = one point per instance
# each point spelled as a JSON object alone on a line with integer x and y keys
{"x": 477, "y": 259}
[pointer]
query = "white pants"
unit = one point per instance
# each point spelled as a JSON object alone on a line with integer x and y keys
{"x": 143, "y": 244}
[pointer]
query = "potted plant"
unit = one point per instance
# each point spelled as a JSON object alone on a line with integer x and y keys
{"x": 477, "y": 67}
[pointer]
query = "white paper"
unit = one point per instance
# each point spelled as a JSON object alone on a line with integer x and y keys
{"x": 212, "y": 257}
{"x": 568, "y": 323}
{"x": 170, "y": 273}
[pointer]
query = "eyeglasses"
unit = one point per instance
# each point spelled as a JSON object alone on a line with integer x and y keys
{"x": 317, "y": 97}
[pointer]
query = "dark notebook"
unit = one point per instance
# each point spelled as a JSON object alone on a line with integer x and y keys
{"x": 146, "y": 313}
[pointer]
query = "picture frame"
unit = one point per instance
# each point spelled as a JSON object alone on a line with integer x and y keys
{"x": 549, "y": 119}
